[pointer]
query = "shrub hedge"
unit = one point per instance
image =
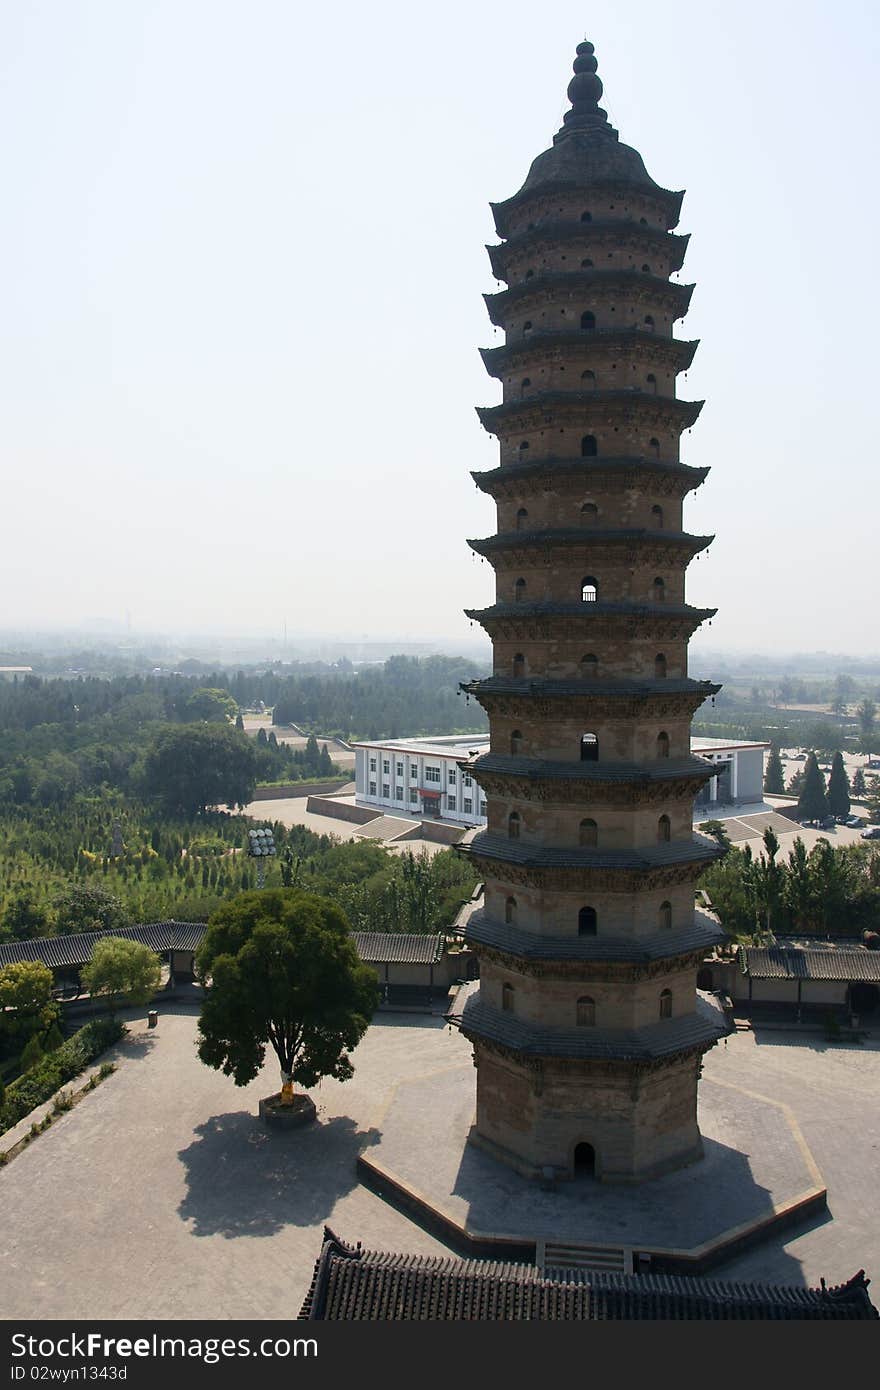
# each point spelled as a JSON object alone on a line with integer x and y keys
{"x": 57, "y": 1068}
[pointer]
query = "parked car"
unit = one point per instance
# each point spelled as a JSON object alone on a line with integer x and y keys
{"x": 872, "y": 833}
{"x": 828, "y": 823}
{"x": 854, "y": 821}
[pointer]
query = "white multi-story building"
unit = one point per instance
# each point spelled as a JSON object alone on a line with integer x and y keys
{"x": 422, "y": 777}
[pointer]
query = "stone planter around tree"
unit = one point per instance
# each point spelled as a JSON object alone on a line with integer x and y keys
{"x": 289, "y": 1115}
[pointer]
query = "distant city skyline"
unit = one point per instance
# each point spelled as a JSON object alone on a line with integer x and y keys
{"x": 239, "y": 344}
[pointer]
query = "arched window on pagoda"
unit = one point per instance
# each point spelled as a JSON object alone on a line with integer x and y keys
{"x": 664, "y": 916}
{"x": 659, "y": 667}
{"x": 529, "y": 273}
{"x": 589, "y": 666}
{"x": 524, "y": 385}
{"x": 646, "y": 270}
{"x": 523, "y": 445}
{"x": 648, "y": 323}
{"x": 588, "y": 381}
{"x": 654, "y": 446}
{"x": 510, "y": 910}
{"x": 519, "y": 590}
{"x": 513, "y": 826}
{"x": 586, "y": 264}
{"x": 586, "y": 1012}
{"x": 588, "y": 922}
{"x": 664, "y": 830}
{"x": 652, "y": 383}
{"x": 658, "y": 591}
{"x": 586, "y": 217}
{"x": 589, "y": 590}
{"x": 589, "y": 748}
{"x": 657, "y": 518}
{"x": 588, "y": 834}
{"x": 516, "y": 743}
{"x": 588, "y": 321}
{"x": 507, "y": 995}
{"x": 663, "y": 745}
{"x": 666, "y": 1003}
{"x": 519, "y": 665}
{"x": 589, "y": 447}
{"x": 527, "y": 327}
{"x": 589, "y": 514}
{"x": 522, "y": 517}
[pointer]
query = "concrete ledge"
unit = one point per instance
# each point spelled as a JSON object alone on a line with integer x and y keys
{"x": 302, "y": 1112}
{"x": 663, "y": 1259}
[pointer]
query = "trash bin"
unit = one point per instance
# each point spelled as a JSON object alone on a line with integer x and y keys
{"x": 152, "y": 1018}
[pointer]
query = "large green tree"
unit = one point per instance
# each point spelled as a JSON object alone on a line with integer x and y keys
{"x": 190, "y": 768}
{"x": 212, "y": 706}
{"x": 813, "y": 801}
{"x": 284, "y": 972}
{"x": 27, "y": 1008}
{"x": 89, "y": 907}
{"x": 122, "y": 969}
{"x": 774, "y": 777}
{"x": 838, "y": 788}
{"x": 25, "y": 916}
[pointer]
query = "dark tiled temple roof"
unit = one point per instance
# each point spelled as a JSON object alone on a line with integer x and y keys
{"x": 663, "y": 770}
{"x": 354, "y": 1285}
{"x": 58, "y": 952}
{"x": 398, "y": 948}
{"x": 791, "y": 963}
{"x": 484, "y": 930}
{"x": 664, "y": 1038}
{"x": 488, "y": 846}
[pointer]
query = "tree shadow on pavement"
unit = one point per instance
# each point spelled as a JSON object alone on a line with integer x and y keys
{"x": 246, "y": 1180}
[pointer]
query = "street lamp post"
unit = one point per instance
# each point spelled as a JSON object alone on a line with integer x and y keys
{"x": 261, "y": 844}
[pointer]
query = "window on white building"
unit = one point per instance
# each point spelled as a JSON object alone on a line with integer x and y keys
{"x": 398, "y": 794}
{"x": 414, "y": 770}
{"x": 386, "y": 766}
{"x": 467, "y": 780}
{"x": 413, "y": 794}
{"x": 452, "y": 777}
{"x": 482, "y": 808}
{"x": 450, "y": 802}
{"x": 372, "y": 789}
{"x": 386, "y": 790}
{"x": 468, "y": 806}
{"x": 432, "y": 774}
{"x": 372, "y": 764}
{"x": 400, "y": 769}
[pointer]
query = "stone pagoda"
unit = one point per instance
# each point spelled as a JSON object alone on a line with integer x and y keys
{"x": 587, "y": 1028}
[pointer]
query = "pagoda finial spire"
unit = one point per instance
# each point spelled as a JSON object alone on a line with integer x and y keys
{"x": 584, "y": 91}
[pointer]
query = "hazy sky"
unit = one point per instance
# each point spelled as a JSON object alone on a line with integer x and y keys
{"x": 242, "y": 250}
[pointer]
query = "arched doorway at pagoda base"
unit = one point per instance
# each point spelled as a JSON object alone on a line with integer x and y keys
{"x": 863, "y": 998}
{"x": 584, "y": 1164}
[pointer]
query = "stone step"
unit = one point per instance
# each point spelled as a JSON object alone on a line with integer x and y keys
{"x": 553, "y": 1258}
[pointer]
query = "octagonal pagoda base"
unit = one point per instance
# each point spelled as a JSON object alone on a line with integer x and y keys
{"x": 756, "y": 1176}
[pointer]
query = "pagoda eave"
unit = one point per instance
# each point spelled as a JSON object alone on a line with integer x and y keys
{"x": 575, "y": 284}
{"x": 681, "y": 478}
{"x": 664, "y": 197}
{"x": 542, "y": 688}
{"x": 695, "y": 1032}
{"x": 547, "y": 343}
{"x": 651, "y": 239}
{"x": 627, "y": 405}
{"x": 660, "y": 544}
{"x": 594, "y": 952}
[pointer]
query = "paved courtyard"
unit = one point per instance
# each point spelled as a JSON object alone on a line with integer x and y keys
{"x": 161, "y": 1196}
